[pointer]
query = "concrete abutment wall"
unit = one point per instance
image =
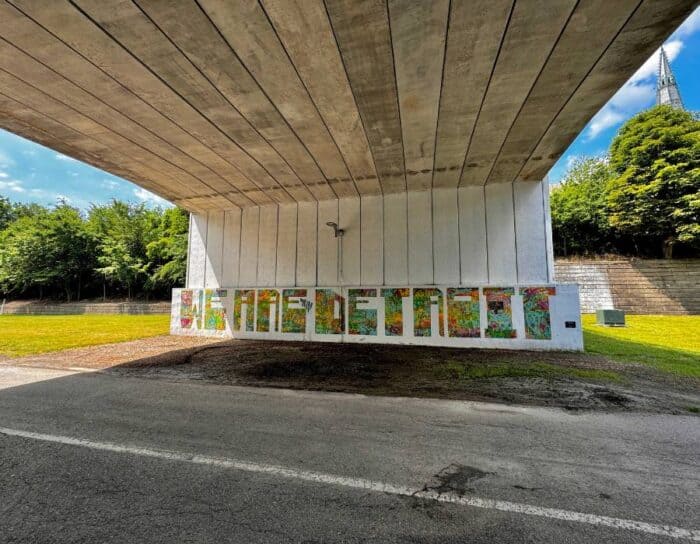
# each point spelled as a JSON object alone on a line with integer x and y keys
{"x": 473, "y": 265}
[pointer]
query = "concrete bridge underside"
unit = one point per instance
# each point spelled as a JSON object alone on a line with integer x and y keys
{"x": 217, "y": 104}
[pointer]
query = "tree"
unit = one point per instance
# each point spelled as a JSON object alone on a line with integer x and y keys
{"x": 7, "y": 214}
{"x": 168, "y": 252}
{"x": 50, "y": 249}
{"x": 654, "y": 194}
{"x": 579, "y": 215}
{"x": 123, "y": 231}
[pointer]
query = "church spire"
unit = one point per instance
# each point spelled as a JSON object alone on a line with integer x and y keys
{"x": 666, "y": 88}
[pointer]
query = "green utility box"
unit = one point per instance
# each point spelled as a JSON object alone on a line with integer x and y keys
{"x": 610, "y": 318}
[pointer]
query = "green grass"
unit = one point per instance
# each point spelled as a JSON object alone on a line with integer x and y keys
{"x": 28, "y": 335}
{"x": 668, "y": 343}
{"x": 454, "y": 370}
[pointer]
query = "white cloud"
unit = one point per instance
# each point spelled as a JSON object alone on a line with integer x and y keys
{"x": 13, "y": 185}
{"x": 110, "y": 183}
{"x": 4, "y": 175}
{"x": 147, "y": 196}
{"x": 62, "y": 157}
{"x": 603, "y": 120}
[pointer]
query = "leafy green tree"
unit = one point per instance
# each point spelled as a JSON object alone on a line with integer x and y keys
{"x": 48, "y": 250}
{"x": 7, "y": 214}
{"x": 579, "y": 215}
{"x": 168, "y": 252}
{"x": 124, "y": 231}
{"x": 654, "y": 194}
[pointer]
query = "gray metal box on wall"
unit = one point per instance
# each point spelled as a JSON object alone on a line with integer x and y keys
{"x": 610, "y": 317}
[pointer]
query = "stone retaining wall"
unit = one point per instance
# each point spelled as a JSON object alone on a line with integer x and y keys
{"x": 638, "y": 286}
{"x": 133, "y": 308}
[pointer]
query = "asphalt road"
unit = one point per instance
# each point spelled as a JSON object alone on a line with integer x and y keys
{"x": 99, "y": 458}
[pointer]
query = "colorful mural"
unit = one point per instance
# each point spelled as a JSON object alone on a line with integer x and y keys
{"x": 447, "y": 312}
{"x": 536, "y": 310}
{"x": 330, "y": 312}
{"x": 294, "y": 310}
{"x": 499, "y": 314}
{"x": 214, "y": 310}
{"x": 463, "y": 315}
{"x": 393, "y": 310}
{"x": 243, "y": 303}
{"x": 190, "y": 308}
{"x": 268, "y": 304}
{"x": 424, "y": 299}
{"x": 362, "y": 320}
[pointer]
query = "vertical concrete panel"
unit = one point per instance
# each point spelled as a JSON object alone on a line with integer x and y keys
{"x": 395, "y": 239}
{"x": 232, "y": 248}
{"x": 530, "y": 232}
{"x": 420, "y": 238}
{"x": 472, "y": 236}
{"x": 372, "y": 258}
{"x": 446, "y": 236}
{"x": 250, "y": 223}
{"x": 500, "y": 233}
{"x": 307, "y": 234}
{"x": 197, "y": 250}
{"x": 286, "y": 245}
{"x": 327, "y": 243}
{"x": 548, "y": 230}
{"x": 215, "y": 249}
{"x": 349, "y": 215}
{"x": 267, "y": 246}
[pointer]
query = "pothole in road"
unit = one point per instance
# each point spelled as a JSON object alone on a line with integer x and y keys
{"x": 456, "y": 478}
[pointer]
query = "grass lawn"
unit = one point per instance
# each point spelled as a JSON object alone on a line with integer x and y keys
{"x": 669, "y": 343}
{"x": 32, "y": 334}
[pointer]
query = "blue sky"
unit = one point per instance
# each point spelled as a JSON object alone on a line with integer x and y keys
{"x": 32, "y": 173}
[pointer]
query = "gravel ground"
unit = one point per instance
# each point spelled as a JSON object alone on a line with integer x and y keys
{"x": 575, "y": 381}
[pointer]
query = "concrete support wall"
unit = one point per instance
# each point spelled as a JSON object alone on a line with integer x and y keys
{"x": 463, "y": 267}
{"x": 467, "y": 236}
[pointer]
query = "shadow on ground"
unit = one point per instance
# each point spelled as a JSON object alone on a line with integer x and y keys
{"x": 574, "y": 381}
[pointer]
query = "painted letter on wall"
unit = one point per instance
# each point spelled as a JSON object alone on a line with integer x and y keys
{"x": 362, "y": 307}
{"x": 330, "y": 312}
{"x": 393, "y": 310}
{"x": 190, "y": 308}
{"x": 536, "y": 309}
{"x": 243, "y": 310}
{"x": 463, "y": 320}
{"x": 499, "y": 314}
{"x": 214, "y": 310}
{"x": 268, "y": 303}
{"x": 294, "y": 310}
{"x": 427, "y": 310}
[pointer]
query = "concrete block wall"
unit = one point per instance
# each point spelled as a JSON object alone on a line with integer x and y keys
{"x": 638, "y": 286}
{"x": 467, "y": 236}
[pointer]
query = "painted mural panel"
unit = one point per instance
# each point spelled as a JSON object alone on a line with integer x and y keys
{"x": 463, "y": 314}
{"x": 243, "y": 310}
{"x": 362, "y": 309}
{"x": 294, "y": 310}
{"x": 393, "y": 310}
{"x": 536, "y": 309}
{"x": 214, "y": 309}
{"x": 330, "y": 312}
{"x": 427, "y": 309}
{"x": 499, "y": 312}
{"x": 268, "y": 305}
{"x": 190, "y": 308}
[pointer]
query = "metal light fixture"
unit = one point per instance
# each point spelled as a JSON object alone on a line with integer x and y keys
{"x": 338, "y": 232}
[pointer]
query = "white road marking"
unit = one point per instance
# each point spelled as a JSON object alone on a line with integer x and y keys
{"x": 367, "y": 485}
